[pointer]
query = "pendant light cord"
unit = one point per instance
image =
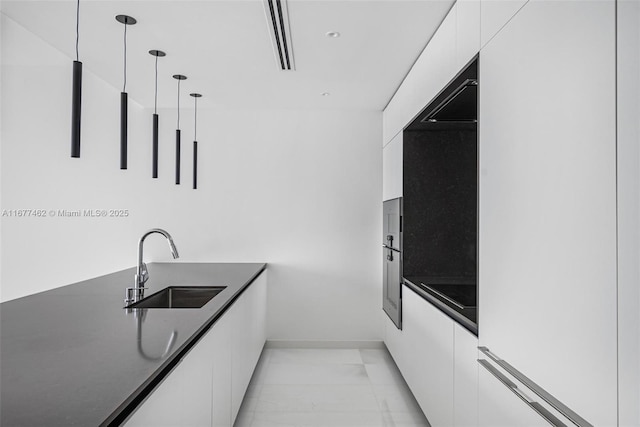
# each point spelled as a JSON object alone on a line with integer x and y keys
{"x": 77, "y": 28}
{"x": 195, "y": 120}
{"x": 155, "y": 102}
{"x": 178, "y": 127}
{"x": 124, "y": 86}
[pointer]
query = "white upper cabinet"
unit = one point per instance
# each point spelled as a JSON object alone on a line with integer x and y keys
{"x": 467, "y": 31}
{"x": 547, "y": 214}
{"x": 494, "y": 14}
{"x": 431, "y": 72}
{"x": 392, "y": 169}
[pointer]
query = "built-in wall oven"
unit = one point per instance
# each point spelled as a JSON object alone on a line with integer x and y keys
{"x": 392, "y": 260}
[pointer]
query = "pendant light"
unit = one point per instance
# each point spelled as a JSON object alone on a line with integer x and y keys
{"x": 76, "y": 95}
{"x": 195, "y": 139}
{"x": 126, "y": 20}
{"x": 179, "y": 78}
{"x": 154, "y": 165}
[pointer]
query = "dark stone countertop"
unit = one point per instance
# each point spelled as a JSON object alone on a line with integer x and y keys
{"x": 72, "y": 356}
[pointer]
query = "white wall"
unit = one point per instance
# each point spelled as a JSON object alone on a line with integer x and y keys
{"x": 297, "y": 189}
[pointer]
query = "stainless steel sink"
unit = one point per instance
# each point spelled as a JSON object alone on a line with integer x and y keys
{"x": 179, "y": 297}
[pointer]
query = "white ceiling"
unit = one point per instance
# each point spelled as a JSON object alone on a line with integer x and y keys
{"x": 224, "y": 49}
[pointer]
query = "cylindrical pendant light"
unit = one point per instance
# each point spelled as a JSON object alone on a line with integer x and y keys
{"x": 76, "y": 96}
{"x": 195, "y": 139}
{"x": 178, "y": 77}
{"x": 154, "y": 146}
{"x": 126, "y": 20}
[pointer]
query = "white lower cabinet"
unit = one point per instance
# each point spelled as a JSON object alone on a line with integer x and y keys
{"x": 221, "y": 394}
{"x": 209, "y": 383}
{"x": 465, "y": 378}
{"x": 248, "y": 320}
{"x": 438, "y": 360}
{"x": 184, "y": 397}
{"x": 423, "y": 351}
{"x": 500, "y": 407}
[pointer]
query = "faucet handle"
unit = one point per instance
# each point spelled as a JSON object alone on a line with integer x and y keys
{"x": 133, "y": 294}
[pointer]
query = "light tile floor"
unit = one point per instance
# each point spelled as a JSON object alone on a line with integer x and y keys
{"x": 328, "y": 388}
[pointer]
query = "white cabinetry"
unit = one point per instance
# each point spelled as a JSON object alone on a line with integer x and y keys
{"x": 430, "y": 336}
{"x": 208, "y": 384}
{"x": 423, "y": 351}
{"x": 454, "y": 44}
{"x": 467, "y": 31}
{"x": 547, "y": 218}
{"x": 184, "y": 397}
{"x": 221, "y": 358}
{"x": 465, "y": 378}
{"x": 392, "y": 169}
{"x": 431, "y": 72}
{"x": 628, "y": 44}
{"x": 437, "y": 358}
{"x": 499, "y": 407}
{"x": 248, "y": 317}
{"x": 494, "y": 14}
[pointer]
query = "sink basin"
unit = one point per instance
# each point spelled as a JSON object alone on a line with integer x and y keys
{"x": 179, "y": 297}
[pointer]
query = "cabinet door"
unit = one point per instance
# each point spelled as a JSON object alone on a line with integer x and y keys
{"x": 494, "y": 14}
{"x": 465, "y": 378}
{"x": 162, "y": 407}
{"x": 628, "y": 43}
{"x": 467, "y": 31}
{"x": 431, "y": 72}
{"x": 247, "y": 315}
{"x": 395, "y": 343}
{"x": 547, "y": 219}
{"x": 221, "y": 359}
{"x": 429, "y": 359}
{"x": 392, "y": 168}
{"x": 185, "y": 395}
{"x": 258, "y": 332}
{"x": 499, "y": 407}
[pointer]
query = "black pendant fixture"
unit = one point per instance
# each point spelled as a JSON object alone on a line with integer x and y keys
{"x": 195, "y": 139}
{"x": 179, "y": 78}
{"x": 126, "y": 20}
{"x": 76, "y": 96}
{"x": 154, "y": 165}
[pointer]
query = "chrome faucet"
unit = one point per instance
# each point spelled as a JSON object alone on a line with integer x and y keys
{"x": 136, "y": 293}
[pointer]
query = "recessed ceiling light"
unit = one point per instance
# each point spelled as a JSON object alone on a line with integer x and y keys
{"x": 333, "y": 34}
{"x": 325, "y": 94}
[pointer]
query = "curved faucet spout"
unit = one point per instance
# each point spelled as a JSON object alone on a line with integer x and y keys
{"x": 142, "y": 275}
{"x": 172, "y": 246}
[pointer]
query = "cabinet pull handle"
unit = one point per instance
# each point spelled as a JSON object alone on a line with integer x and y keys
{"x": 542, "y": 393}
{"x": 541, "y": 410}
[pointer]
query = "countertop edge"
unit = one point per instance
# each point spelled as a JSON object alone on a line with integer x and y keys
{"x": 454, "y": 315}
{"x": 131, "y": 403}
